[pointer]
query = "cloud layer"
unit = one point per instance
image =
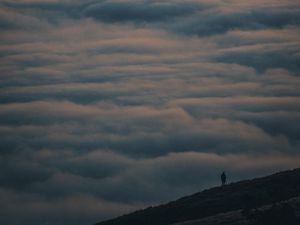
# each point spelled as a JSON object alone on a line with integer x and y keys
{"x": 110, "y": 106}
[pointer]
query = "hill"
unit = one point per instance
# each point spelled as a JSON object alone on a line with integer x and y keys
{"x": 249, "y": 200}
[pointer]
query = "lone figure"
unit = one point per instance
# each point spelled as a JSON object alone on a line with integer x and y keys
{"x": 223, "y": 178}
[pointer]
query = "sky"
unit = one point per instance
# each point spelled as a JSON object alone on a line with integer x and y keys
{"x": 108, "y": 106}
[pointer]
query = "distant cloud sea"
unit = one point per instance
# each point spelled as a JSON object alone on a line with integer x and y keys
{"x": 107, "y": 106}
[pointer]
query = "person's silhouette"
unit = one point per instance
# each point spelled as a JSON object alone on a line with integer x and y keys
{"x": 223, "y": 178}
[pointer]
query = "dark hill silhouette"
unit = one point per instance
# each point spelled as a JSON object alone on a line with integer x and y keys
{"x": 244, "y": 195}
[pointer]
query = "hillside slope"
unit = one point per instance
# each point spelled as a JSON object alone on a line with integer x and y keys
{"x": 241, "y": 195}
{"x": 255, "y": 216}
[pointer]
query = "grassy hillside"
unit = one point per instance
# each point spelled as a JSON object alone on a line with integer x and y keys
{"x": 286, "y": 212}
{"x": 245, "y": 195}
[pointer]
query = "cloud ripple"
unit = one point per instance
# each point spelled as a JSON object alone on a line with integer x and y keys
{"x": 109, "y": 106}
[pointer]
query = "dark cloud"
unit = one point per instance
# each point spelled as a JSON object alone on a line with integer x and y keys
{"x": 147, "y": 131}
{"x": 11, "y": 20}
{"x": 263, "y": 60}
{"x": 51, "y": 12}
{"x": 77, "y": 209}
{"x": 100, "y": 198}
{"x": 110, "y": 106}
{"x": 130, "y": 11}
{"x": 277, "y": 116}
{"x": 218, "y": 22}
{"x": 13, "y": 173}
{"x": 201, "y": 18}
{"x": 107, "y": 11}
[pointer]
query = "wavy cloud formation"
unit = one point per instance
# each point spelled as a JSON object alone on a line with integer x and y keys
{"x": 110, "y": 106}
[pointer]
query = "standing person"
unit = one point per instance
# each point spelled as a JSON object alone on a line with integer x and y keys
{"x": 223, "y": 178}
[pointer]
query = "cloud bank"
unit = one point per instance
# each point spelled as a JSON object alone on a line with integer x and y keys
{"x": 110, "y": 106}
